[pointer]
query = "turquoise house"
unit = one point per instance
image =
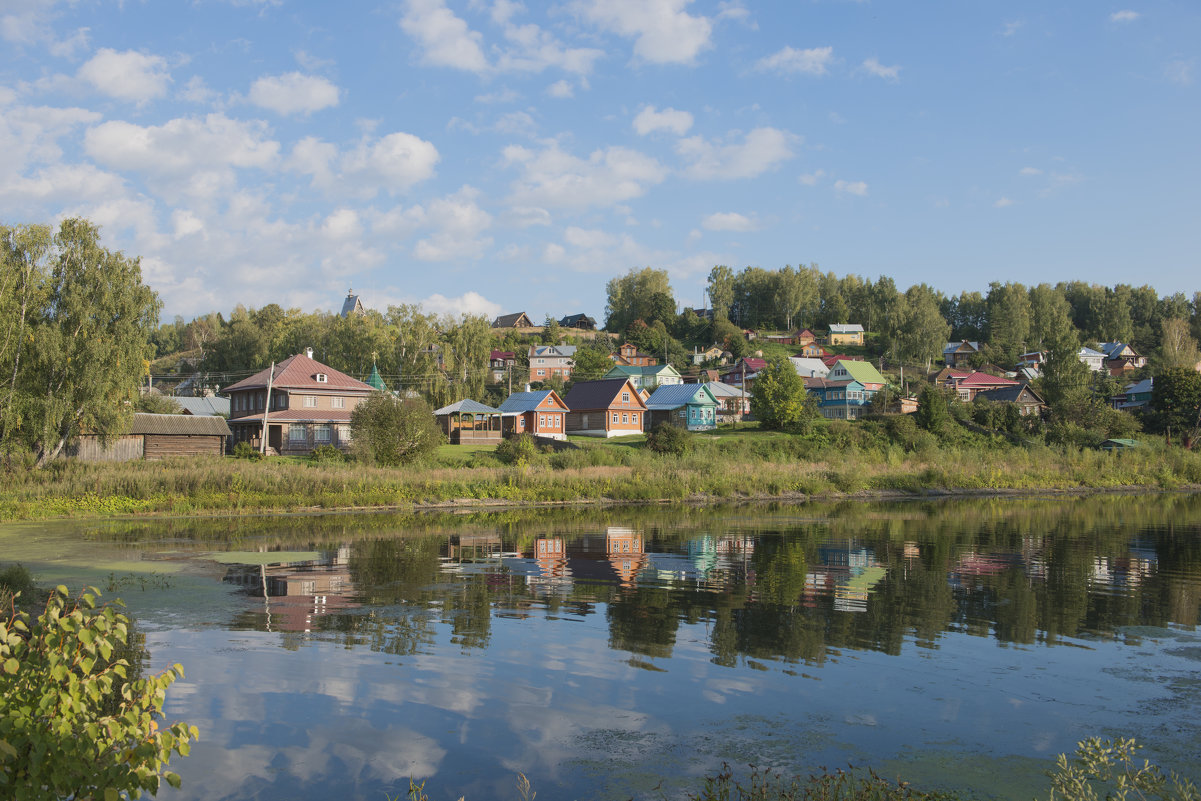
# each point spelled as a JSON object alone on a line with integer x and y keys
{"x": 690, "y": 406}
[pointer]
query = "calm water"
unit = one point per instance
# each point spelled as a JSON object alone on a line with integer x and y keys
{"x": 960, "y": 644}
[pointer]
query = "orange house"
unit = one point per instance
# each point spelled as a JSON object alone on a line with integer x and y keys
{"x": 608, "y": 408}
{"x": 542, "y": 414}
{"x": 629, "y": 356}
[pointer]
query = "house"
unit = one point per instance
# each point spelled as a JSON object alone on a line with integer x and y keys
{"x": 469, "y": 421}
{"x": 805, "y": 337}
{"x": 1120, "y": 444}
{"x": 204, "y": 406}
{"x": 812, "y": 350}
{"x": 957, "y": 354}
{"x": 647, "y": 377}
{"x": 1135, "y": 396}
{"x": 733, "y": 404}
{"x": 712, "y": 353}
{"x": 1028, "y": 401}
{"x": 518, "y": 320}
{"x": 840, "y": 400}
{"x": 746, "y": 366}
{"x": 581, "y": 321}
{"x": 500, "y": 362}
{"x": 156, "y": 436}
{"x": 809, "y": 367}
{"x": 310, "y": 405}
{"x": 861, "y": 371}
{"x": 845, "y": 334}
{"x": 1031, "y": 364}
{"x": 542, "y": 414}
{"x": 690, "y": 406}
{"x": 1092, "y": 359}
{"x": 1121, "y": 358}
{"x": 352, "y": 305}
{"x": 606, "y": 408}
{"x": 551, "y": 360}
{"x": 780, "y": 339}
{"x": 629, "y": 356}
{"x": 968, "y": 386}
{"x": 832, "y": 359}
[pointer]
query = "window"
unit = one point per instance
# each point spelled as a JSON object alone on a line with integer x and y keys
{"x": 297, "y": 433}
{"x": 541, "y": 372}
{"x": 614, "y": 417}
{"x": 625, "y": 418}
{"x": 625, "y": 397}
{"x": 322, "y": 378}
{"x": 324, "y": 433}
{"x": 343, "y": 434}
{"x": 635, "y": 417}
{"x": 310, "y": 401}
{"x": 541, "y": 421}
{"x": 337, "y": 403}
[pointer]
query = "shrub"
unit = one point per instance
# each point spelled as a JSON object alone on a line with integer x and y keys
{"x": 519, "y": 450}
{"x": 70, "y": 725}
{"x": 669, "y": 438}
{"x": 244, "y": 450}
{"x": 326, "y": 454}
{"x": 14, "y": 581}
{"x": 390, "y": 432}
{"x": 1109, "y": 766}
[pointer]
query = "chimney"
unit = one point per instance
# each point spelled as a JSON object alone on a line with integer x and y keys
{"x": 308, "y": 352}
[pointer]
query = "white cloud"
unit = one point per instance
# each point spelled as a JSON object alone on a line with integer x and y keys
{"x": 663, "y": 31}
{"x": 445, "y": 39}
{"x": 1179, "y": 71}
{"x": 561, "y": 89}
{"x": 293, "y": 93}
{"x": 196, "y": 91}
{"x": 669, "y": 119}
{"x": 392, "y": 163}
{"x": 342, "y": 224}
{"x": 31, "y": 134}
{"x": 1010, "y": 28}
{"x": 858, "y": 188}
{"x": 1124, "y": 16}
{"x": 730, "y": 221}
{"x": 535, "y": 49}
{"x": 814, "y": 61}
{"x": 516, "y": 123}
{"x": 467, "y": 303}
{"x": 1030, "y": 171}
{"x": 553, "y": 178}
{"x": 873, "y": 67}
{"x": 458, "y": 224}
{"x": 502, "y": 96}
{"x": 181, "y": 145}
{"x": 761, "y": 150}
{"x": 1002, "y": 203}
{"x": 811, "y": 178}
{"x": 131, "y": 76}
{"x": 588, "y": 238}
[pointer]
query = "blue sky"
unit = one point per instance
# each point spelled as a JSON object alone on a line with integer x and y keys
{"x": 493, "y": 156}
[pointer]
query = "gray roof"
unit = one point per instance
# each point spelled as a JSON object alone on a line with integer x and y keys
{"x": 524, "y": 401}
{"x": 179, "y": 424}
{"x": 950, "y": 347}
{"x": 846, "y": 328}
{"x": 717, "y": 389}
{"x": 203, "y": 407}
{"x": 1141, "y": 387}
{"x": 466, "y": 406}
{"x": 554, "y": 350}
{"x": 673, "y": 396}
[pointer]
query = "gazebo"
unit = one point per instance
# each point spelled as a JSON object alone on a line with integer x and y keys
{"x": 469, "y": 421}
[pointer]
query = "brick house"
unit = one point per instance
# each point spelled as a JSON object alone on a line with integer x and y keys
{"x": 551, "y": 360}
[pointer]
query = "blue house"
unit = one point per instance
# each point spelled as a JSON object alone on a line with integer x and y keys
{"x": 690, "y": 406}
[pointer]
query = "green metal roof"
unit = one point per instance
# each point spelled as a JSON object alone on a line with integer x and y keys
{"x": 863, "y": 372}
{"x": 376, "y": 380}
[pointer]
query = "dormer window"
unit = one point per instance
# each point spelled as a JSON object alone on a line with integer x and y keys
{"x": 322, "y": 378}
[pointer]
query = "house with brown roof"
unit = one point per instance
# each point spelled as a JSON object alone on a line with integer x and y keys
{"x": 303, "y": 404}
{"x": 1027, "y": 400}
{"x": 957, "y": 354}
{"x": 607, "y": 408}
{"x": 629, "y": 356}
{"x": 156, "y": 436}
{"x": 970, "y": 385}
{"x": 517, "y": 320}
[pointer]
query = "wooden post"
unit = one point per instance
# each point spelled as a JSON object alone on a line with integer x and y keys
{"x": 267, "y": 409}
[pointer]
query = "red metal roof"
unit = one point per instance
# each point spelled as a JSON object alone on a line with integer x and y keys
{"x": 985, "y": 380}
{"x": 300, "y": 372}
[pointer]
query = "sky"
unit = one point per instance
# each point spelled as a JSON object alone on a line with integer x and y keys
{"x": 495, "y": 156}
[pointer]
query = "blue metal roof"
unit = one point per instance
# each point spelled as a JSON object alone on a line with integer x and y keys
{"x": 524, "y": 401}
{"x": 673, "y": 396}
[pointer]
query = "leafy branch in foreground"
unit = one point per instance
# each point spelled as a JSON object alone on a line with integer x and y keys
{"x": 71, "y": 723}
{"x": 1109, "y": 766}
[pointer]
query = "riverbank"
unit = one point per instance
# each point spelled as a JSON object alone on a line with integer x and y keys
{"x": 732, "y": 468}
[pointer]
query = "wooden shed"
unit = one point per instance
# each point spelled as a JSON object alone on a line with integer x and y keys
{"x": 157, "y": 436}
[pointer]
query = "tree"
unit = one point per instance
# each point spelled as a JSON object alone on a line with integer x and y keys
{"x": 933, "y": 408}
{"x": 721, "y": 291}
{"x": 551, "y": 332}
{"x": 779, "y": 399}
{"x": 88, "y": 345}
{"x": 921, "y": 331}
{"x": 1176, "y": 401}
{"x": 389, "y": 432}
{"x": 1049, "y": 315}
{"x": 416, "y": 348}
{"x": 1177, "y": 347}
{"x": 591, "y": 362}
{"x": 633, "y": 297}
{"x": 1008, "y": 320}
{"x": 796, "y": 293}
{"x": 23, "y": 252}
{"x": 1065, "y": 380}
{"x": 72, "y": 723}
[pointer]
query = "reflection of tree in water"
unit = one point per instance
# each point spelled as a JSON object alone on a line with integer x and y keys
{"x": 1018, "y": 571}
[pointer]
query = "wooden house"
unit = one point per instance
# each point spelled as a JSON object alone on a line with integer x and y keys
{"x": 845, "y": 334}
{"x": 517, "y": 320}
{"x": 968, "y": 386}
{"x": 352, "y": 305}
{"x": 647, "y": 377}
{"x": 469, "y": 421}
{"x": 1121, "y": 359}
{"x": 606, "y": 408}
{"x": 500, "y": 362}
{"x": 541, "y": 414}
{"x": 733, "y": 404}
{"x": 957, "y": 354}
{"x": 1027, "y": 400}
{"x": 690, "y": 406}
{"x": 746, "y": 366}
{"x": 156, "y": 436}
{"x": 309, "y": 405}
{"x": 580, "y": 322}
{"x": 629, "y": 356}
{"x": 847, "y": 391}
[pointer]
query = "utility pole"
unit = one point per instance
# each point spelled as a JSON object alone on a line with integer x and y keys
{"x": 267, "y": 410}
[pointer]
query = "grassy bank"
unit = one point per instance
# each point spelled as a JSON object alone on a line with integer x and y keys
{"x": 726, "y": 465}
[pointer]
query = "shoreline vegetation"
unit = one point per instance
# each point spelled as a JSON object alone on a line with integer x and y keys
{"x": 730, "y": 466}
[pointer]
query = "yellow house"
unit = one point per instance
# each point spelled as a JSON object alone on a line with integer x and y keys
{"x": 846, "y": 334}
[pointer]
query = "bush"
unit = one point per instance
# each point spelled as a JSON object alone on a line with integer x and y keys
{"x": 14, "y": 580}
{"x": 70, "y": 724}
{"x": 244, "y": 450}
{"x": 1109, "y": 766}
{"x": 392, "y": 432}
{"x": 519, "y": 450}
{"x": 669, "y": 438}
{"x": 326, "y": 454}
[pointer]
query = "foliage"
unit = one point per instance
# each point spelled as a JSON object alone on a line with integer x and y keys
{"x": 326, "y": 454}
{"x": 85, "y": 318}
{"x": 57, "y": 738}
{"x": 156, "y": 404}
{"x": 669, "y": 438}
{"x": 1177, "y": 347}
{"x": 519, "y": 450}
{"x": 779, "y": 399}
{"x": 639, "y": 295}
{"x": 552, "y": 333}
{"x": 1176, "y": 400}
{"x": 14, "y": 581}
{"x": 764, "y": 784}
{"x": 1109, "y": 767}
{"x": 933, "y": 408}
{"x": 390, "y": 432}
{"x": 591, "y": 362}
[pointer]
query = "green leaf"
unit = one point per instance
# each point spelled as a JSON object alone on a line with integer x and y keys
{"x": 11, "y": 666}
{"x": 110, "y": 794}
{"x": 172, "y": 779}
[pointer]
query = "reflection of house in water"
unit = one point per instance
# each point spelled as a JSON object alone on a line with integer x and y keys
{"x": 709, "y": 562}
{"x": 475, "y": 553}
{"x": 1128, "y": 571}
{"x": 847, "y": 573}
{"x": 295, "y": 593}
{"x": 624, "y": 548}
{"x": 972, "y": 566}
